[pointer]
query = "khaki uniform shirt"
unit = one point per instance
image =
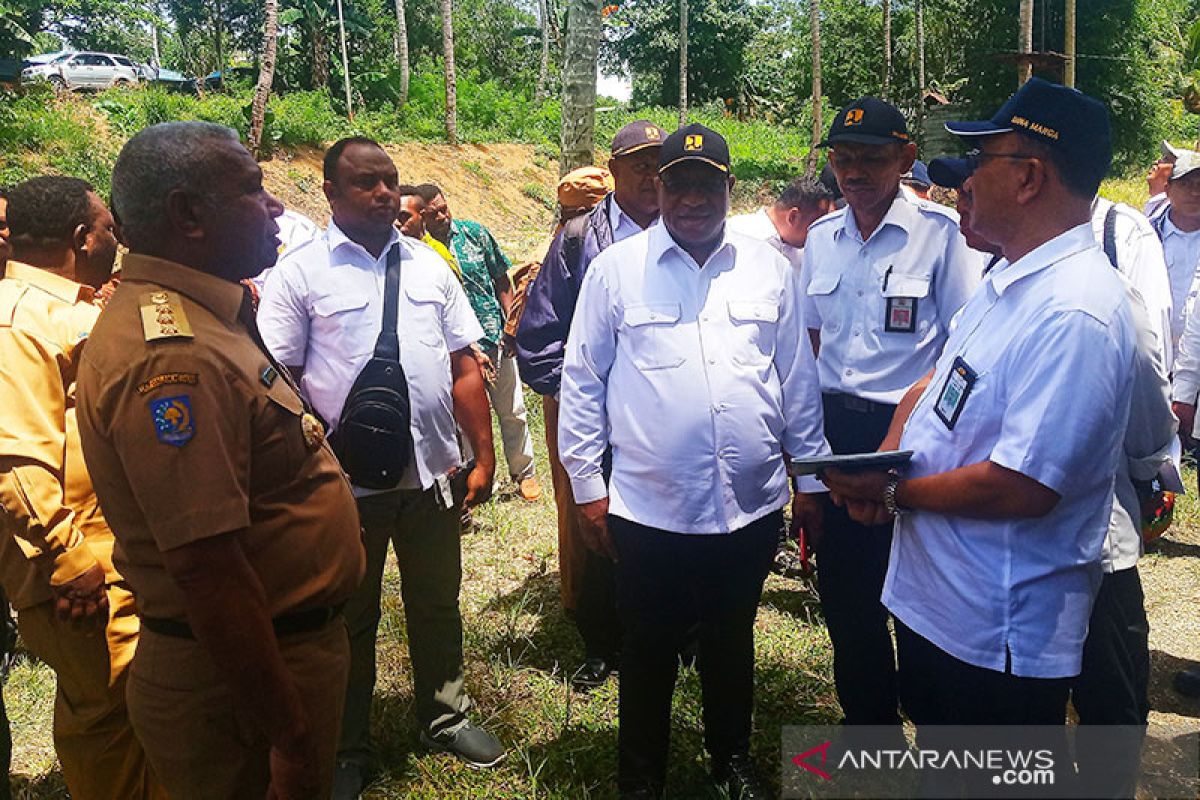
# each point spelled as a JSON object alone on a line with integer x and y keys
{"x": 192, "y": 432}
{"x": 51, "y": 528}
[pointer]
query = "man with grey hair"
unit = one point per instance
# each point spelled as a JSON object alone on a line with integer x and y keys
{"x": 235, "y": 526}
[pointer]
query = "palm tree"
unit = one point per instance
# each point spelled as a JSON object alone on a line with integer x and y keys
{"x": 683, "y": 62}
{"x": 920, "y": 23}
{"x": 1025, "y": 41}
{"x": 341, "y": 16}
{"x": 814, "y": 19}
{"x": 451, "y": 82}
{"x": 544, "y": 66}
{"x": 402, "y": 50}
{"x": 266, "y": 76}
{"x": 578, "y": 135}
{"x": 887, "y": 48}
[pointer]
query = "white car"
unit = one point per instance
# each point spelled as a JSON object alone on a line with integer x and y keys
{"x": 85, "y": 71}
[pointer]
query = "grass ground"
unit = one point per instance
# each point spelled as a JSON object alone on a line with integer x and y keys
{"x": 520, "y": 650}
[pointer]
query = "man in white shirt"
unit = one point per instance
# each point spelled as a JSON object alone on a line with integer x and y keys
{"x": 1179, "y": 229}
{"x": 1156, "y": 180}
{"x": 686, "y": 356}
{"x": 784, "y": 223}
{"x": 321, "y": 314}
{"x": 882, "y": 279}
{"x": 1002, "y": 514}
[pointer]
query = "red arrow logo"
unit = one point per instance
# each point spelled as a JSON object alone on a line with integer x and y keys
{"x": 800, "y": 760}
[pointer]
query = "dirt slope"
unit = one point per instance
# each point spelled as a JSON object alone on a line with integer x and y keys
{"x": 507, "y": 187}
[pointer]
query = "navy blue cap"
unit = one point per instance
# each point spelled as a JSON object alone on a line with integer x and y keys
{"x": 919, "y": 174}
{"x": 868, "y": 120}
{"x": 694, "y": 143}
{"x": 1066, "y": 120}
{"x": 949, "y": 172}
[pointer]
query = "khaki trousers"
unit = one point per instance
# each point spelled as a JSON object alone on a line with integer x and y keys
{"x": 201, "y": 742}
{"x": 572, "y": 553}
{"x": 100, "y": 756}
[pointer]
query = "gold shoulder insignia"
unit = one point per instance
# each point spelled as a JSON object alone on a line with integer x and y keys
{"x": 163, "y": 317}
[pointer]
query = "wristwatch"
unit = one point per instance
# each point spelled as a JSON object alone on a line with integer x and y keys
{"x": 889, "y": 494}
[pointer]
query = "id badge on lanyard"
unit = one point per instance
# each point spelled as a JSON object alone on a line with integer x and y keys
{"x": 955, "y": 392}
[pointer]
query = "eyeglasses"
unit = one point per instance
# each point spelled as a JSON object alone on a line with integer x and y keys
{"x": 712, "y": 185}
{"x": 975, "y": 158}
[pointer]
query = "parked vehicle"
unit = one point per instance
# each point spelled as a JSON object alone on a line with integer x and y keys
{"x": 85, "y": 71}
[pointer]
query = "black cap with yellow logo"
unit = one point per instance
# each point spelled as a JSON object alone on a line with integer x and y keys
{"x": 868, "y": 120}
{"x": 695, "y": 143}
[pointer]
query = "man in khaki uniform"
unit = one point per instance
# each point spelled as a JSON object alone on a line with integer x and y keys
{"x": 74, "y": 611}
{"x": 234, "y": 523}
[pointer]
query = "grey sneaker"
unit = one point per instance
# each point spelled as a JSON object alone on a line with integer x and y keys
{"x": 472, "y": 744}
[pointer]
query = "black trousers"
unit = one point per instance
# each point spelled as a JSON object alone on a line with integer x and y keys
{"x": 667, "y": 584}
{"x": 1112, "y": 688}
{"x": 851, "y": 565}
{"x": 596, "y": 616}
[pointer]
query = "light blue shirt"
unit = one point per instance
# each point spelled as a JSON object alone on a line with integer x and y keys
{"x": 699, "y": 376}
{"x": 917, "y": 254}
{"x": 1182, "y": 251}
{"x": 1051, "y": 339}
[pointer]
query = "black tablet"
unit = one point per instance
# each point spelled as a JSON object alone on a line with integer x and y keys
{"x": 850, "y": 463}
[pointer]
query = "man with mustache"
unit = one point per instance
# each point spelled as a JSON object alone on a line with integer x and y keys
{"x": 881, "y": 280}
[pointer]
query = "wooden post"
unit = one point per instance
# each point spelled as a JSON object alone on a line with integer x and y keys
{"x": 1025, "y": 42}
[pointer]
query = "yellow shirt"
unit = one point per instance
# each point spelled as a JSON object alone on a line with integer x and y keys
{"x": 445, "y": 253}
{"x": 49, "y": 506}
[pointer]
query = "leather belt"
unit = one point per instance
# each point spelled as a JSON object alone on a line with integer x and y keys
{"x": 852, "y": 403}
{"x": 285, "y": 625}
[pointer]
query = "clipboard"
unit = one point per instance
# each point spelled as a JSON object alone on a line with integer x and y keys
{"x": 852, "y": 462}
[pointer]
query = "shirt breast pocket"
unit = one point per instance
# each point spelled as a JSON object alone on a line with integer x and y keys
{"x": 344, "y": 318}
{"x": 822, "y": 293}
{"x": 906, "y": 304}
{"x": 754, "y": 324}
{"x": 427, "y": 308}
{"x": 279, "y": 449}
{"x": 650, "y": 335}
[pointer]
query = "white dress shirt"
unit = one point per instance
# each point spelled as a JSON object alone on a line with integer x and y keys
{"x": 1182, "y": 252}
{"x": 322, "y": 309}
{"x": 758, "y": 225}
{"x": 1140, "y": 259}
{"x": 915, "y": 255}
{"x": 1051, "y": 341}
{"x": 697, "y": 376}
{"x": 622, "y": 224}
{"x": 1185, "y": 379}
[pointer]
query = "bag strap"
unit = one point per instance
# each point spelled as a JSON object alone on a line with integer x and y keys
{"x": 574, "y": 233}
{"x": 1110, "y": 235}
{"x": 387, "y": 346}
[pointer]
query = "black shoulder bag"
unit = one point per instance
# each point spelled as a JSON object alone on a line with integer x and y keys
{"x": 372, "y": 439}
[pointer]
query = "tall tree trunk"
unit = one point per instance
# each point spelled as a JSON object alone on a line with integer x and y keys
{"x": 402, "y": 50}
{"x": 345, "y": 59}
{"x": 578, "y": 135}
{"x": 683, "y": 62}
{"x": 155, "y": 35}
{"x": 451, "y": 81}
{"x": 818, "y": 124}
{"x": 320, "y": 56}
{"x": 887, "y": 49}
{"x": 1025, "y": 41}
{"x": 544, "y": 66}
{"x": 218, "y": 45}
{"x": 1069, "y": 44}
{"x": 920, "y": 22}
{"x": 266, "y": 77}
